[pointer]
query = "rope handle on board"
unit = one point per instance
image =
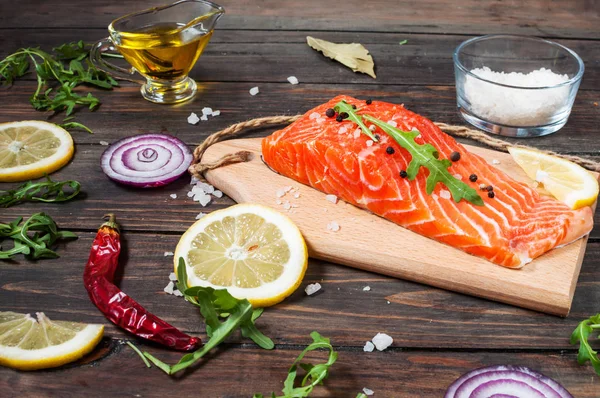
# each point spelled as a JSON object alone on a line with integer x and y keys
{"x": 197, "y": 169}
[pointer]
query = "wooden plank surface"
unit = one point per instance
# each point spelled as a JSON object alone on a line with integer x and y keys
{"x": 438, "y": 335}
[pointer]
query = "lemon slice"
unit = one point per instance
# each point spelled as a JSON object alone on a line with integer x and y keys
{"x": 29, "y": 344}
{"x": 252, "y": 251}
{"x": 31, "y": 149}
{"x": 565, "y": 180}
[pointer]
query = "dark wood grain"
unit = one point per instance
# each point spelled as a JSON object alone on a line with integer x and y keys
{"x": 538, "y": 17}
{"x": 241, "y": 372}
{"x": 418, "y": 316}
{"x": 260, "y": 56}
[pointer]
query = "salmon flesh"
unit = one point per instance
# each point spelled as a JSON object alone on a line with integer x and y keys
{"x": 510, "y": 229}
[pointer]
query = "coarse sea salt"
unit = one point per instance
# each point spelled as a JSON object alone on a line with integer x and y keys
{"x": 193, "y": 118}
{"x": 516, "y": 106}
{"x": 382, "y": 341}
{"x": 333, "y": 226}
{"x": 445, "y": 194}
{"x": 104, "y": 143}
{"x": 292, "y": 80}
{"x": 169, "y": 288}
{"x": 253, "y": 91}
{"x": 367, "y": 289}
{"x": 200, "y": 215}
{"x": 167, "y": 254}
{"x": 314, "y": 115}
{"x": 368, "y": 391}
{"x": 331, "y": 198}
{"x": 177, "y": 293}
{"x": 172, "y": 276}
{"x": 215, "y": 113}
{"x": 392, "y": 123}
{"x": 369, "y": 347}
{"x": 369, "y": 142}
{"x": 217, "y": 194}
{"x": 495, "y": 161}
{"x": 207, "y": 111}
{"x": 204, "y": 118}
{"x": 173, "y": 196}
{"x": 312, "y": 288}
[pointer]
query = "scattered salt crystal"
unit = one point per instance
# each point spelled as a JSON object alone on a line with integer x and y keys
{"x": 200, "y": 215}
{"x": 366, "y": 288}
{"x": 445, "y": 194}
{"x": 190, "y": 194}
{"x": 204, "y": 118}
{"x": 312, "y": 288}
{"x": 388, "y": 302}
{"x": 207, "y": 188}
{"x": 342, "y": 130}
{"x": 193, "y": 118}
{"x": 434, "y": 196}
{"x": 392, "y": 123}
{"x": 512, "y": 106}
{"x": 482, "y": 186}
{"x": 314, "y": 115}
{"x": 287, "y": 205}
{"x": 173, "y": 196}
{"x": 194, "y": 180}
{"x": 207, "y": 111}
{"x": 104, "y": 143}
{"x": 294, "y": 205}
{"x": 204, "y": 200}
{"x": 321, "y": 120}
{"x": 215, "y": 113}
{"x": 217, "y": 194}
{"x": 372, "y": 127}
{"x": 169, "y": 288}
{"x": 495, "y": 161}
{"x": 296, "y": 195}
{"x": 254, "y": 91}
{"x": 167, "y": 254}
{"x": 368, "y": 347}
{"x": 177, "y": 293}
{"x": 382, "y": 341}
{"x": 458, "y": 176}
{"x": 368, "y": 391}
{"x": 419, "y": 136}
{"x": 287, "y": 188}
{"x": 292, "y": 80}
{"x": 369, "y": 142}
{"x": 279, "y": 202}
{"x": 333, "y": 226}
{"x": 331, "y": 198}
{"x": 280, "y": 193}
{"x": 172, "y": 276}
{"x": 357, "y": 133}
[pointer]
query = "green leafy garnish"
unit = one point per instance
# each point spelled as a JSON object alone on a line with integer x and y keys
{"x": 425, "y": 155}
{"x": 42, "y": 191}
{"x": 581, "y": 335}
{"x": 33, "y": 238}
{"x": 315, "y": 374}
{"x": 57, "y": 76}
{"x": 215, "y": 305}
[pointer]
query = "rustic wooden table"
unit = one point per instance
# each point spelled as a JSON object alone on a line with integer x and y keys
{"x": 438, "y": 335}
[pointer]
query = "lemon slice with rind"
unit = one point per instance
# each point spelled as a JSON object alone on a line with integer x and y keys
{"x": 253, "y": 251}
{"x": 565, "y": 180}
{"x": 27, "y": 343}
{"x": 31, "y": 149}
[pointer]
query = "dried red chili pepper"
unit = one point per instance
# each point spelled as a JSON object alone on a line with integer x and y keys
{"x": 117, "y": 306}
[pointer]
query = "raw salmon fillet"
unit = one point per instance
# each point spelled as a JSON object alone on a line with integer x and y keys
{"x": 511, "y": 229}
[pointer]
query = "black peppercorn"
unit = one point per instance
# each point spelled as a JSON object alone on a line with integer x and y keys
{"x": 376, "y": 137}
{"x": 369, "y": 101}
{"x": 473, "y": 177}
{"x": 489, "y": 188}
{"x": 390, "y": 150}
{"x": 330, "y": 112}
{"x": 403, "y": 173}
{"x": 339, "y": 118}
{"x": 491, "y": 194}
{"x": 344, "y": 115}
{"x": 455, "y": 156}
{"x": 353, "y": 106}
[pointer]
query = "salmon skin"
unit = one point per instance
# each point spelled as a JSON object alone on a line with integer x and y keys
{"x": 511, "y": 229}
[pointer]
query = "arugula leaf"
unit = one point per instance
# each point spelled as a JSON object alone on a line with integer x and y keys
{"x": 315, "y": 374}
{"x": 581, "y": 335}
{"x": 43, "y": 191}
{"x": 64, "y": 66}
{"x": 425, "y": 155}
{"x": 215, "y": 304}
{"x": 34, "y": 238}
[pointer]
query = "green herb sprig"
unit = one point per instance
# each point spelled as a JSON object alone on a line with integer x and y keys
{"x": 57, "y": 76}
{"x": 315, "y": 374}
{"x": 215, "y": 305}
{"x": 581, "y": 335}
{"x": 425, "y": 155}
{"x": 33, "y": 238}
{"x": 42, "y": 191}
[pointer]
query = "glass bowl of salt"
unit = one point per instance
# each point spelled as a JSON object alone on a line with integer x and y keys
{"x": 516, "y": 86}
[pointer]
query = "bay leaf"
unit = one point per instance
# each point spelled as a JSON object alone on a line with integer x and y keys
{"x": 354, "y": 55}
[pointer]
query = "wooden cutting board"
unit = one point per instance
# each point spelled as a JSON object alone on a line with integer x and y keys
{"x": 371, "y": 243}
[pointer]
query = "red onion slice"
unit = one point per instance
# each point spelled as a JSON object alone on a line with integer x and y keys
{"x": 505, "y": 381}
{"x": 147, "y": 160}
